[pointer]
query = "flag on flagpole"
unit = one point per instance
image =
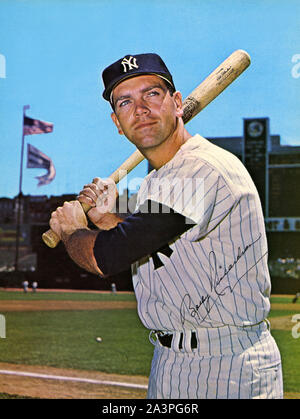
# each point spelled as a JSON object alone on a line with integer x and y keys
{"x": 39, "y": 160}
{"x": 35, "y": 126}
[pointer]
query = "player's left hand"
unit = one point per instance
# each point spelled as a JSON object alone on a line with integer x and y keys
{"x": 67, "y": 219}
{"x": 101, "y": 193}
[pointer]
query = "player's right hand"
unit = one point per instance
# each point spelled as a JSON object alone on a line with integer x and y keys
{"x": 101, "y": 196}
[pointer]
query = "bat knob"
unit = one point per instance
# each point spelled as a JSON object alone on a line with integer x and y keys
{"x": 50, "y": 238}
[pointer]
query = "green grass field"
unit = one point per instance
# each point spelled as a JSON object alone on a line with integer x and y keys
{"x": 67, "y": 339}
{"x": 65, "y": 296}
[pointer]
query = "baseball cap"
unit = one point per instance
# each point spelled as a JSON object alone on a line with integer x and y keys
{"x": 132, "y": 66}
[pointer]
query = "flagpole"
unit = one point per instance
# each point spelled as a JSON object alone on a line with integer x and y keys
{"x": 19, "y": 199}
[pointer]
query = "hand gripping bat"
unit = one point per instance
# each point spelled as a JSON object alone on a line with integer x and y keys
{"x": 208, "y": 90}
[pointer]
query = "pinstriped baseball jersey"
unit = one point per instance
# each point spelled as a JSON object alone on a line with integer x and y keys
{"x": 216, "y": 273}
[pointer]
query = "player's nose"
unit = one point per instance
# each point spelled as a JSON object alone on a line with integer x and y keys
{"x": 141, "y": 107}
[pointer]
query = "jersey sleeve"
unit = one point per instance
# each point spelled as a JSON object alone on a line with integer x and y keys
{"x": 139, "y": 235}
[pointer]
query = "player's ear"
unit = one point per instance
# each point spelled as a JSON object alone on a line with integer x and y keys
{"x": 117, "y": 123}
{"x": 177, "y": 97}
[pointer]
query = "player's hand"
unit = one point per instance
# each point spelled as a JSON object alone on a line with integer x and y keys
{"x": 101, "y": 195}
{"x": 67, "y": 219}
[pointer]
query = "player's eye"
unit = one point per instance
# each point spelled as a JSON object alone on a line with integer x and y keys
{"x": 124, "y": 103}
{"x": 152, "y": 93}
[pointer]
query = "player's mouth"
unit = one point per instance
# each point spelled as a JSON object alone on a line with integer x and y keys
{"x": 143, "y": 125}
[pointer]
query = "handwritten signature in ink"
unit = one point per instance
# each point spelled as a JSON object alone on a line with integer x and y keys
{"x": 217, "y": 286}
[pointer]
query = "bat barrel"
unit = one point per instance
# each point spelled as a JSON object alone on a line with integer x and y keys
{"x": 215, "y": 83}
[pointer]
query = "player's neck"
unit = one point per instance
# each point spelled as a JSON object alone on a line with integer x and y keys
{"x": 160, "y": 155}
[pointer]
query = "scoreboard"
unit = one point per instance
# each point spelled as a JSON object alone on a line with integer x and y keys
{"x": 256, "y": 147}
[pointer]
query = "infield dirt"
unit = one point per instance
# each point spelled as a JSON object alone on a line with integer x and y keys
{"x": 40, "y": 305}
{"x": 59, "y": 389}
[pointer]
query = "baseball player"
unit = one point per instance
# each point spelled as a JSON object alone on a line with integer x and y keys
{"x": 25, "y": 286}
{"x": 196, "y": 243}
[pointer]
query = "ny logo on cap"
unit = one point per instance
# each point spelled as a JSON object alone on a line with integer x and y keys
{"x": 130, "y": 62}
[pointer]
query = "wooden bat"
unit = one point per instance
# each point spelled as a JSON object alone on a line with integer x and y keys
{"x": 207, "y": 91}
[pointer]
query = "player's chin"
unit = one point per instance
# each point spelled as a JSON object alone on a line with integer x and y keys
{"x": 148, "y": 145}
{"x": 148, "y": 140}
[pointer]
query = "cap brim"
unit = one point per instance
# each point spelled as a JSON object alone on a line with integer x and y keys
{"x": 107, "y": 94}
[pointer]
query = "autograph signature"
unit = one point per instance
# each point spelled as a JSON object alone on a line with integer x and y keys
{"x": 216, "y": 282}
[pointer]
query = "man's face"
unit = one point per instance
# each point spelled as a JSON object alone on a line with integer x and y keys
{"x": 145, "y": 112}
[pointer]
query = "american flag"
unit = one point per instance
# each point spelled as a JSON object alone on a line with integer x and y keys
{"x": 35, "y": 126}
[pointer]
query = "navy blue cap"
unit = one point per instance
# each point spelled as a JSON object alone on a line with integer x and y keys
{"x": 132, "y": 66}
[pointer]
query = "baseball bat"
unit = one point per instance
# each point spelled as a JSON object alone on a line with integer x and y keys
{"x": 201, "y": 96}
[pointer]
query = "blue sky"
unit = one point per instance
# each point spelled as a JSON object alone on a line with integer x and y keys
{"x": 55, "y": 51}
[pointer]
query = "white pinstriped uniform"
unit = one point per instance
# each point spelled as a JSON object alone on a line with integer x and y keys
{"x": 214, "y": 281}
